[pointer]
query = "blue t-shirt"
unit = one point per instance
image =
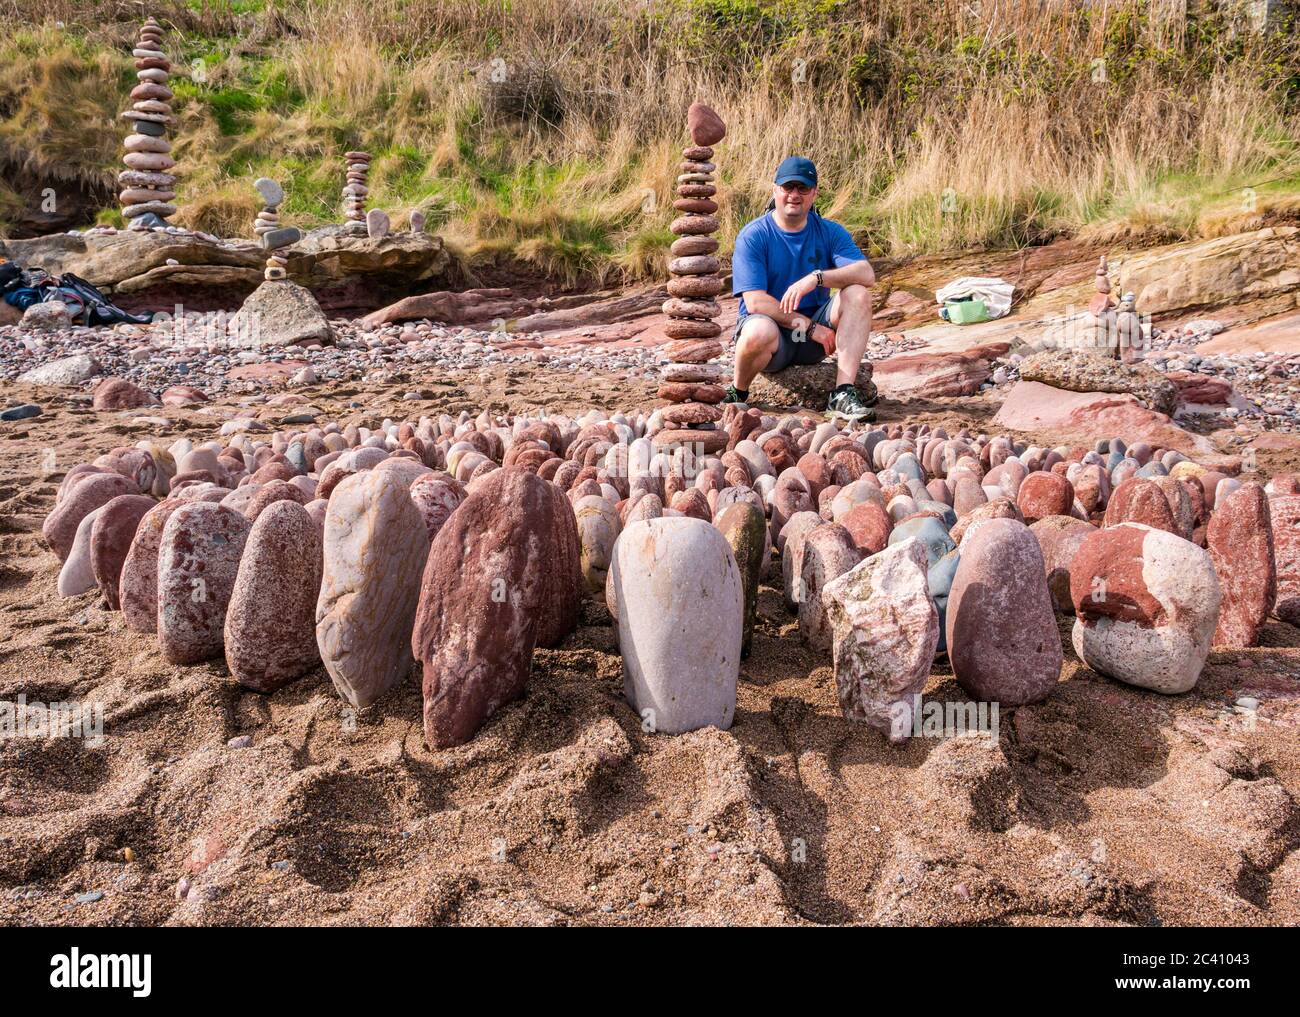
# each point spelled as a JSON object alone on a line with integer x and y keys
{"x": 770, "y": 259}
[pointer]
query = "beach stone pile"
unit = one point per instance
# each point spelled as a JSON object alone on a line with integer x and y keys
{"x": 147, "y": 183}
{"x": 355, "y": 188}
{"x": 693, "y": 381}
{"x": 463, "y": 543}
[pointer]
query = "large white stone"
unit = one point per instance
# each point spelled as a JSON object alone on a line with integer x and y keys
{"x": 77, "y": 575}
{"x": 680, "y": 606}
{"x": 598, "y": 528}
{"x": 376, "y": 544}
{"x": 885, "y": 631}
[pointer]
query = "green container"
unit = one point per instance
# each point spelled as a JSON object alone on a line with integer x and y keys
{"x": 966, "y": 312}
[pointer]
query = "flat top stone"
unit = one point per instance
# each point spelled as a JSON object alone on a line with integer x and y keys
{"x": 272, "y": 193}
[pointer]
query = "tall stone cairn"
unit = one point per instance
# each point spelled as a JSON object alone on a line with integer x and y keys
{"x": 147, "y": 186}
{"x": 355, "y": 189}
{"x": 692, "y": 380}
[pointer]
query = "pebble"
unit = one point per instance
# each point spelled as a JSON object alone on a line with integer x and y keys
{"x": 23, "y": 412}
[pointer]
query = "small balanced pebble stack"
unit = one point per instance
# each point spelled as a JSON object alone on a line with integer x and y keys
{"x": 268, "y": 218}
{"x": 692, "y": 382}
{"x": 146, "y": 183}
{"x": 355, "y": 190}
{"x": 267, "y": 228}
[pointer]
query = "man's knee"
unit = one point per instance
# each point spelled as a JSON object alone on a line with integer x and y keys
{"x": 856, "y": 297}
{"x": 758, "y": 335}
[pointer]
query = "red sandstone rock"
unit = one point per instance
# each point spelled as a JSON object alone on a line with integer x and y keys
{"x": 1239, "y": 538}
{"x": 1001, "y": 630}
{"x": 1138, "y": 500}
{"x": 120, "y": 394}
{"x": 111, "y": 538}
{"x": 197, "y": 563}
{"x": 91, "y": 491}
{"x": 869, "y": 525}
{"x": 1284, "y": 515}
{"x": 1059, "y": 538}
{"x": 706, "y": 127}
{"x": 483, "y": 585}
{"x": 270, "y": 626}
{"x": 138, "y": 584}
{"x": 1044, "y": 494}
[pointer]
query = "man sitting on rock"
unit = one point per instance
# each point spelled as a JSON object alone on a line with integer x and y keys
{"x": 783, "y": 267}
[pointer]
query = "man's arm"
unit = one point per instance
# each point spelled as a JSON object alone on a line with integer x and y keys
{"x": 762, "y": 302}
{"x": 857, "y": 273}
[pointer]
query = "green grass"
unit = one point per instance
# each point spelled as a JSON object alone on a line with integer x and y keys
{"x": 891, "y": 108}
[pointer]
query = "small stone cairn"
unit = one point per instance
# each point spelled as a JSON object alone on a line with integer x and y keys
{"x": 267, "y": 228}
{"x": 355, "y": 190}
{"x": 146, "y": 183}
{"x": 692, "y": 382}
{"x": 1111, "y": 328}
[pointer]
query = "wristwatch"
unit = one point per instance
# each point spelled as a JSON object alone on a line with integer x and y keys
{"x": 821, "y": 279}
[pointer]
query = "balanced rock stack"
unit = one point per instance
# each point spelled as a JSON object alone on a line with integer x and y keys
{"x": 268, "y": 218}
{"x": 267, "y": 227}
{"x": 692, "y": 381}
{"x": 146, "y": 183}
{"x": 355, "y": 190}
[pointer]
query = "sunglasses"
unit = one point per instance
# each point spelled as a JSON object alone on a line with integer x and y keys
{"x": 796, "y": 187}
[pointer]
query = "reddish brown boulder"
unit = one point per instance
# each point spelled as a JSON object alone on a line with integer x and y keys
{"x": 928, "y": 375}
{"x": 1001, "y": 630}
{"x": 268, "y": 494}
{"x": 138, "y": 585}
{"x": 1138, "y": 500}
{"x": 111, "y": 537}
{"x": 1044, "y": 494}
{"x": 484, "y": 584}
{"x": 120, "y": 394}
{"x": 270, "y": 627}
{"x": 91, "y": 491}
{"x": 197, "y": 564}
{"x": 1239, "y": 538}
{"x": 999, "y": 508}
{"x": 869, "y": 525}
{"x": 1284, "y": 515}
{"x": 706, "y": 127}
{"x": 1059, "y": 538}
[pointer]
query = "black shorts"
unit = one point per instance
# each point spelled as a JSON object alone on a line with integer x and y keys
{"x": 788, "y": 352}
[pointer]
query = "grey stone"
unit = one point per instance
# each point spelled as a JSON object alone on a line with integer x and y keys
{"x": 67, "y": 371}
{"x": 272, "y": 193}
{"x": 280, "y": 313}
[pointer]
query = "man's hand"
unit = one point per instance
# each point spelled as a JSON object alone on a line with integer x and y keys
{"x": 825, "y": 336}
{"x": 790, "y": 302}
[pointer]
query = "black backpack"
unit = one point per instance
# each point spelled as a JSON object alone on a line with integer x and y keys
{"x": 96, "y": 307}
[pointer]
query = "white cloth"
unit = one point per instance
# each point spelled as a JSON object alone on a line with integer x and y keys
{"x": 996, "y": 293}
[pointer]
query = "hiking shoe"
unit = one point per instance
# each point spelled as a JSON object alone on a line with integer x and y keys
{"x": 846, "y": 404}
{"x": 735, "y": 395}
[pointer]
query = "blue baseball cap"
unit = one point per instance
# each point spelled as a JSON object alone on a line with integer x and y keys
{"x": 796, "y": 167}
